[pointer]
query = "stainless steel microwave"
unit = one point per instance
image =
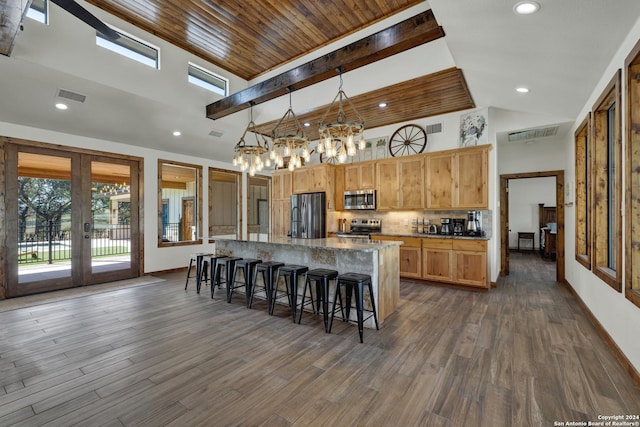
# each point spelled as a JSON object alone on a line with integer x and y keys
{"x": 361, "y": 200}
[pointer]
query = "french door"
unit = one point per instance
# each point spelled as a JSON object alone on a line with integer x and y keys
{"x": 72, "y": 219}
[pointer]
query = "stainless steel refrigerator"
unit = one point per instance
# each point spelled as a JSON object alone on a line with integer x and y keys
{"x": 308, "y": 216}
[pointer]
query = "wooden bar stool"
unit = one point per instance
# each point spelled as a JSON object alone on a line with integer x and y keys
{"x": 321, "y": 277}
{"x": 268, "y": 269}
{"x": 199, "y": 258}
{"x": 290, "y": 274}
{"x": 246, "y": 265}
{"x": 354, "y": 282}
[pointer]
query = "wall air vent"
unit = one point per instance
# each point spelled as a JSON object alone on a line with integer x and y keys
{"x": 434, "y": 128}
{"x": 72, "y": 96}
{"x": 217, "y": 133}
{"x": 529, "y": 134}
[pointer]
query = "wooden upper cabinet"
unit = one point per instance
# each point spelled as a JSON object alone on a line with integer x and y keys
{"x": 439, "y": 181}
{"x": 339, "y": 188}
{"x": 312, "y": 179}
{"x": 411, "y": 170}
{"x": 360, "y": 176}
{"x": 387, "y": 195}
{"x": 281, "y": 185}
{"x": 302, "y": 180}
{"x": 472, "y": 167}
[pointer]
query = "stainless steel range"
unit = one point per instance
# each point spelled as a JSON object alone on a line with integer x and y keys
{"x": 363, "y": 228}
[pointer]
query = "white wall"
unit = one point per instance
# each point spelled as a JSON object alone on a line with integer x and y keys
{"x": 617, "y": 315}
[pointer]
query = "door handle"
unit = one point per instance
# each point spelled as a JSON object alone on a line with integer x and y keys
{"x": 87, "y": 229}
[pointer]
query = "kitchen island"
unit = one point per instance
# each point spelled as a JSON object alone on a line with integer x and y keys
{"x": 380, "y": 259}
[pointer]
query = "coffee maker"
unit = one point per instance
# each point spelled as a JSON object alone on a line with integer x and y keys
{"x": 445, "y": 226}
{"x": 458, "y": 226}
{"x": 474, "y": 221}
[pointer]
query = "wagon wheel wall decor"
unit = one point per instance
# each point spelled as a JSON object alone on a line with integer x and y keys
{"x": 408, "y": 140}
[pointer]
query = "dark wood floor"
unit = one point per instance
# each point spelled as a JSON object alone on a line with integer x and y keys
{"x": 521, "y": 355}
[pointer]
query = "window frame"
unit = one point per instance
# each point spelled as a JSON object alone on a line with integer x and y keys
{"x": 250, "y": 202}
{"x": 107, "y": 44}
{"x": 583, "y": 192}
{"x": 44, "y": 13}
{"x": 223, "y": 92}
{"x": 632, "y": 178}
{"x": 605, "y": 144}
{"x": 197, "y": 204}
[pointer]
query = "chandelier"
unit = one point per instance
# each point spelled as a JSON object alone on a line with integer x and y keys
{"x": 109, "y": 190}
{"x": 288, "y": 140}
{"x": 337, "y": 139}
{"x": 249, "y": 157}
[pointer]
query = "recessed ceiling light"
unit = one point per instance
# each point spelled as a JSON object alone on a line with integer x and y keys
{"x": 526, "y": 7}
{"x": 177, "y": 133}
{"x": 382, "y": 104}
{"x": 307, "y": 124}
{"x": 522, "y": 89}
{"x": 61, "y": 106}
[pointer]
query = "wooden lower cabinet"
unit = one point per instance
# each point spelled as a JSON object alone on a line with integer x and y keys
{"x": 437, "y": 261}
{"x": 470, "y": 260}
{"x": 410, "y": 255}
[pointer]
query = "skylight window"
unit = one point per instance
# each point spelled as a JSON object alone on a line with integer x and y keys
{"x": 39, "y": 11}
{"x": 208, "y": 80}
{"x": 132, "y": 48}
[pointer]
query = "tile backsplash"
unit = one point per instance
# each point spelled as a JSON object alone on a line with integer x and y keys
{"x": 402, "y": 222}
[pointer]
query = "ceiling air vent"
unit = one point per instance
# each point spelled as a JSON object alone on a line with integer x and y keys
{"x": 217, "y": 133}
{"x": 528, "y": 134}
{"x": 434, "y": 128}
{"x": 72, "y": 96}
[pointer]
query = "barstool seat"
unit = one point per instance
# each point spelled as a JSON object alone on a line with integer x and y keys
{"x": 268, "y": 270}
{"x": 321, "y": 276}
{"x": 227, "y": 263}
{"x": 290, "y": 273}
{"x": 200, "y": 271}
{"x": 354, "y": 282}
{"x": 246, "y": 265}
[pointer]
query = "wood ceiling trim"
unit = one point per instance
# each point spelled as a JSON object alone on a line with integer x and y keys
{"x": 11, "y": 14}
{"x": 430, "y": 95}
{"x": 407, "y": 34}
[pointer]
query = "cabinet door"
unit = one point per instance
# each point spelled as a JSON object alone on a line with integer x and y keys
{"x": 351, "y": 180}
{"x": 301, "y": 180}
{"x": 281, "y": 185}
{"x": 387, "y": 188}
{"x": 281, "y": 217}
{"x": 472, "y": 168}
{"x": 339, "y": 188}
{"x": 318, "y": 178}
{"x": 439, "y": 181}
{"x": 410, "y": 262}
{"x": 471, "y": 268}
{"x": 411, "y": 183}
{"x": 437, "y": 264}
{"x": 367, "y": 176}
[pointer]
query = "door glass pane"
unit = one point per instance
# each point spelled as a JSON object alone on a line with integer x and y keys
{"x": 44, "y": 217}
{"x": 223, "y": 201}
{"x": 258, "y": 208}
{"x": 110, "y": 227}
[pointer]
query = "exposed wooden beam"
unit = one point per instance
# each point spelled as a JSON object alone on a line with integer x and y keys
{"x": 11, "y": 13}
{"x": 405, "y": 35}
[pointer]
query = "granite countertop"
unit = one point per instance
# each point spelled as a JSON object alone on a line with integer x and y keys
{"x": 329, "y": 243}
{"x": 433, "y": 236}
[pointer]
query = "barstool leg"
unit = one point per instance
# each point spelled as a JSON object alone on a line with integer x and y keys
{"x": 325, "y": 303}
{"x": 359, "y": 309}
{"x": 373, "y": 305}
{"x": 188, "y": 273}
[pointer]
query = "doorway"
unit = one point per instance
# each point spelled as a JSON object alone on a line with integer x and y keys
{"x": 72, "y": 219}
{"x": 504, "y": 218}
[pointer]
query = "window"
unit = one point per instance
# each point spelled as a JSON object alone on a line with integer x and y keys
{"x": 607, "y": 193}
{"x": 258, "y": 208}
{"x": 224, "y": 203}
{"x": 179, "y": 203}
{"x": 39, "y": 11}
{"x": 208, "y": 80}
{"x": 583, "y": 193}
{"x": 132, "y": 48}
{"x": 632, "y": 205}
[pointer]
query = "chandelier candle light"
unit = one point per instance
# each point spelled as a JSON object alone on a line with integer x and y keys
{"x": 288, "y": 140}
{"x": 338, "y": 138}
{"x": 249, "y": 157}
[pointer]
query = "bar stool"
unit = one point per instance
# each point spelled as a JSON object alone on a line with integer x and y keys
{"x": 321, "y": 277}
{"x": 290, "y": 274}
{"x": 200, "y": 262}
{"x": 268, "y": 269}
{"x": 354, "y": 282}
{"x": 213, "y": 263}
{"x": 227, "y": 264}
{"x": 246, "y": 265}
